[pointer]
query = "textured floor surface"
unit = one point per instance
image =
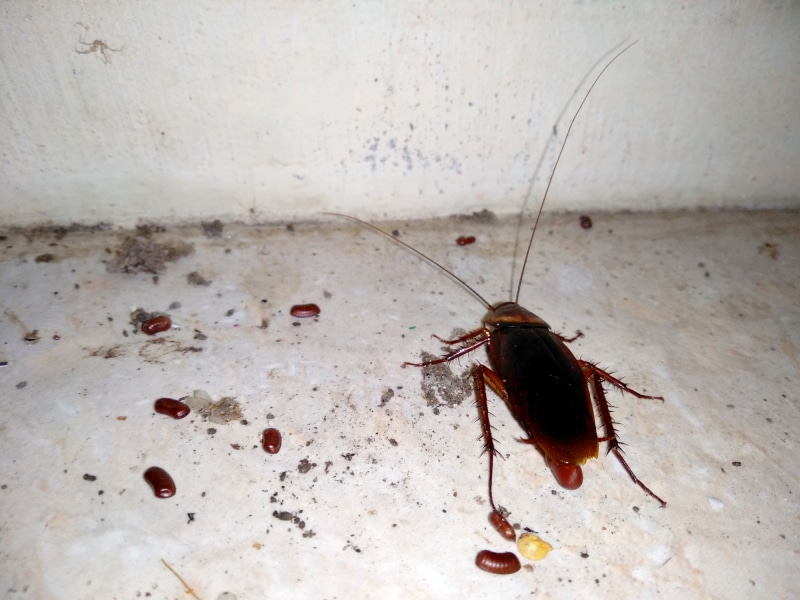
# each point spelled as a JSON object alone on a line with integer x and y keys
{"x": 376, "y": 492}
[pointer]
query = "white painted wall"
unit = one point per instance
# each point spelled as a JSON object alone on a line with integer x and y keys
{"x": 284, "y": 108}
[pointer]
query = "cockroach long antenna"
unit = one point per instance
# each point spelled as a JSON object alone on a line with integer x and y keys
{"x": 535, "y": 175}
{"x": 452, "y": 275}
{"x": 555, "y": 166}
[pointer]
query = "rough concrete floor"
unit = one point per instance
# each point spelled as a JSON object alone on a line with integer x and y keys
{"x": 374, "y": 492}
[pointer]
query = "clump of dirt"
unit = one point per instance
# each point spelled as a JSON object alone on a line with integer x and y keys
{"x": 212, "y": 229}
{"x": 146, "y": 230}
{"x": 29, "y": 335}
{"x": 195, "y": 278}
{"x": 57, "y": 231}
{"x": 769, "y": 249}
{"x": 485, "y": 216}
{"x": 386, "y": 396}
{"x": 304, "y": 466}
{"x": 140, "y": 254}
{"x": 285, "y": 515}
{"x": 157, "y": 351}
{"x": 441, "y": 387}
{"x": 107, "y": 351}
{"x": 223, "y": 411}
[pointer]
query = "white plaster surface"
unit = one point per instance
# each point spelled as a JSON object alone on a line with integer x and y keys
{"x": 699, "y": 307}
{"x": 408, "y": 109}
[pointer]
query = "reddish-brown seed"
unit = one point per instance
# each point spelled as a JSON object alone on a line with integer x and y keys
{"x": 503, "y": 526}
{"x": 586, "y": 222}
{"x": 465, "y": 240}
{"x": 156, "y": 325}
{"x": 160, "y": 481}
{"x": 271, "y": 440}
{"x": 305, "y": 310}
{"x": 501, "y": 563}
{"x": 173, "y": 408}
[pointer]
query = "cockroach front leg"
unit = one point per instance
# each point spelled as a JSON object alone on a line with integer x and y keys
{"x": 482, "y": 335}
{"x": 566, "y": 340}
{"x": 482, "y": 376}
{"x": 595, "y": 376}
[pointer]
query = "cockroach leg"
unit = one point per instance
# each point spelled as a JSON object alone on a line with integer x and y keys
{"x": 481, "y": 373}
{"x": 467, "y": 336}
{"x": 483, "y": 334}
{"x": 617, "y": 383}
{"x": 595, "y": 376}
{"x": 566, "y": 340}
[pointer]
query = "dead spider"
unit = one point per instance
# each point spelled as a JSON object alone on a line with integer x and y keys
{"x": 97, "y": 46}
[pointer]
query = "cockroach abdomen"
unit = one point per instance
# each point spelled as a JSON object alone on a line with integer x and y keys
{"x": 569, "y": 477}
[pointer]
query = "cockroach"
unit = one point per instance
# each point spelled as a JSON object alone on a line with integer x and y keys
{"x": 161, "y": 482}
{"x": 500, "y": 563}
{"x": 548, "y": 390}
{"x": 303, "y": 311}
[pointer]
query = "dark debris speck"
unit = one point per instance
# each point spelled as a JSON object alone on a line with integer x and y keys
{"x": 212, "y": 229}
{"x": 195, "y": 278}
{"x": 305, "y": 466}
